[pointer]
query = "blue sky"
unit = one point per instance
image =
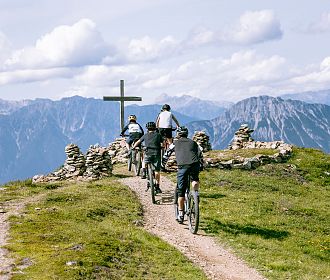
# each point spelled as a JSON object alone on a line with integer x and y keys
{"x": 210, "y": 49}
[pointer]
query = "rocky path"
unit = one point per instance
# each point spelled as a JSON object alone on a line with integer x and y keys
{"x": 217, "y": 262}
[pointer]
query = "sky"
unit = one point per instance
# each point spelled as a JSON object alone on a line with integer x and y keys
{"x": 211, "y": 49}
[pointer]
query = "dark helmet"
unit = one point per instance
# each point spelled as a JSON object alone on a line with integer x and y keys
{"x": 182, "y": 131}
{"x": 151, "y": 126}
{"x": 132, "y": 118}
{"x": 166, "y": 107}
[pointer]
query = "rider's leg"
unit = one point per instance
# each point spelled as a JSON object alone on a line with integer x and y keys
{"x": 143, "y": 175}
{"x": 182, "y": 179}
{"x": 195, "y": 185}
{"x": 157, "y": 177}
{"x": 181, "y": 203}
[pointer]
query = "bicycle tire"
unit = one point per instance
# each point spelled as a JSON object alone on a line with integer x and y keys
{"x": 176, "y": 206}
{"x": 151, "y": 177}
{"x": 193, "y": 217}
{"x": 129, "y": 161}
{"x": 137, "y": 163}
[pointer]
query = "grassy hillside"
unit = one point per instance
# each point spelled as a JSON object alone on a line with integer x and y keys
{"x": 88, "y": 231}
{"x": 275, "y": 217}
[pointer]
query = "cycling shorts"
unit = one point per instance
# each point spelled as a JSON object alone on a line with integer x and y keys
{"x": 133, "y": 137}
{"x": 165, "y": 132}
{"x": 153, "y": 159}
{"x": 182, "y": 176}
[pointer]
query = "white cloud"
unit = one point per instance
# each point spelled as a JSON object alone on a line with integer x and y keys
{"x": 147, "y": 49}
{"x": 254, "y": 27}
{"x": 322, "y": 25}
{"x": 5, "y": 47}
{"x": 36, "y": 75}
{"x": 75, "y": 45}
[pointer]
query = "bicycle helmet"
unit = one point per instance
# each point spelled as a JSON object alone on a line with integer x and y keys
{"x": 151, "y": 126}
{"x": 182, "y": 131}
{"x": 132, "y": 118}
{"x": 166, "y": 107}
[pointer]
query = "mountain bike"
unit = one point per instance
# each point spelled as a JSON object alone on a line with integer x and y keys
{"x": 151, "y": 180}
{"x": 191, "y": 207}
{"x": 135, "y": 159}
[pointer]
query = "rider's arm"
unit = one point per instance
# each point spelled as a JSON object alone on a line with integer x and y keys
{"x": 138, "y": 142}
{"x": 157, "y": 121}
{"x": 175, "y": 120}
{"x": 123, "y": 131}
{"x": 167, "y": 154}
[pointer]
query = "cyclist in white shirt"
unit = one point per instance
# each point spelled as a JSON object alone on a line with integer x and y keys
{"x": 164, "y": 123}
{"x": 135, "y": 131}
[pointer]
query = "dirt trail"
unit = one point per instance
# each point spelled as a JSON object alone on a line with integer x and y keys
{"x": 217, "y": 262}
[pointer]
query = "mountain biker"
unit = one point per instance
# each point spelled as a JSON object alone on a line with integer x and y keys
{"x": 152, "y": 141}
{"x": 134, "y": 129}
{"x": 164, "y": 123}
{"x": 189, "y": 160}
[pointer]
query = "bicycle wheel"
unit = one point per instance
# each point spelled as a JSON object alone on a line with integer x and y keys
{"x": 137, "y": 162}
{"x": 151, "y": 177}
{"x": 176, "y": 207}
{"x": 130, "y": 161}
{"x": 193, "y": 216}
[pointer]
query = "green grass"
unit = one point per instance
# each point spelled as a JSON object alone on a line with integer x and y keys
{"x": 230, "y": 154}
{"x": 89, "y": 231}
{"x": 276, "y": 217}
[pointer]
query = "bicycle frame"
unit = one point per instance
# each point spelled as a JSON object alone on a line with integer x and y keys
{"x": 191, "y": 207}
{"x": 150, "y": 169}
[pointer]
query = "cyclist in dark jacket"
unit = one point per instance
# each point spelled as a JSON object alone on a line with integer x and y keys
{"x": 189, "y": 159}
{"x": 152, "y": 141}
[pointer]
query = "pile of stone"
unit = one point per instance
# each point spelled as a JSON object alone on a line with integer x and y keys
{"x": 242, "y": 136}
{"x": 95, "y": 165}
{"x": 171, "y": 164}
{"x": 118, "y": 151}
{"x": 98, "y": 163}
{"x": 203, "y": 140}
{"x": 74, "y": 165}
{"x": 284, "y": 151}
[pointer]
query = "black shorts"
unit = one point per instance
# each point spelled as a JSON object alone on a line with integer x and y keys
{"x": 153, "y": 159}
{"x": 132, "y": 138}
{"x": 165, "y": 132}
{"x": 182, "y": 177}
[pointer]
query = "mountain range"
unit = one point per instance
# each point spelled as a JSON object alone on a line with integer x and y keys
{"x": 293, "y": 121}
{"x": 195, "y": 107}
{"x": 321, "y": 96}
{"x": 33, "y": 133}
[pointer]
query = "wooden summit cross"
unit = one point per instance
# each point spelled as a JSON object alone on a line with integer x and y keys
{"x": 122, "y": 99}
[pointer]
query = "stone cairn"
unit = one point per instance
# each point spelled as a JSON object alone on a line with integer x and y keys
{"x": 74, "y": 165}
{"x": 98, "y": 162}
{"x": 243, "y": 140}
{"x": 95, "y": 165}
{"x": 203, "y": 140}
{"x": 118, "y": 151}
{"x": 242, "y": 136}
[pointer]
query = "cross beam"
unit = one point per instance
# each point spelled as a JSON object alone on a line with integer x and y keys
{"x": 122, "y": 99}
